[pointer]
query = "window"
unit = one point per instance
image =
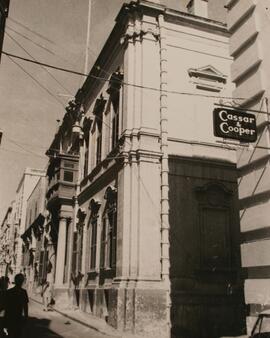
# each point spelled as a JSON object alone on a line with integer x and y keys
{"x": 93, "y": 245}
{"x": 114, "y": 89}
{"x": 108, "y": 240}
{"x": 115, "y": 119}
{"x": 109, "y": 231}
{"x": 75, "y": 252}
{"x": 99, "y": 139}
{"x": 86, "y": 154}
{"x": 93, "y": 221}
{"x": 112, "y": 237}
{"x": 68, "y": 176}
{"x": 103, "y": 243}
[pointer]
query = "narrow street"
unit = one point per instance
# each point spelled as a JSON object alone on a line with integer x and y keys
{"x": 52, "y": 324}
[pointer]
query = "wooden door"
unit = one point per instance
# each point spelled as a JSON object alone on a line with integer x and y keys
{"x": 207, "y": 290}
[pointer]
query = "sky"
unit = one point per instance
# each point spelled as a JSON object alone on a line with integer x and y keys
{"x": 32, "y": 97}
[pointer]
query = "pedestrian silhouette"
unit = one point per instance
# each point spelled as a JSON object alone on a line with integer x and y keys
{"x": 16, "y": 308}
{"x": 2, "y": 305}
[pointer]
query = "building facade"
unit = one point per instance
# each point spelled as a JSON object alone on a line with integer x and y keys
{"x": 5, "y": 242}
{"x": 33, "y": 260}
{"x": 142, "y": 224}
{"x": 27, "y": 183}
{"x": 249, "y": 25}
{"x": 157, "y": 189}
{"x": 62, "y": 175}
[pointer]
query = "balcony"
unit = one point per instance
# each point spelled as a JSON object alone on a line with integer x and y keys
{"x": 62, "y": 174}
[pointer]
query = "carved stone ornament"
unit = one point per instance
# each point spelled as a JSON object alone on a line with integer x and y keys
{"x": 137, "y": 29}
{"x": 94, "y": 206}
{"x": 111, "y": 196}
{"x": 214, "y": 193}
{"x": 81, "y": 214}
{"x": 207, "y": 78}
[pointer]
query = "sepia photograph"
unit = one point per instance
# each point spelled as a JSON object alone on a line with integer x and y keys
{"x": 134, "y": 169}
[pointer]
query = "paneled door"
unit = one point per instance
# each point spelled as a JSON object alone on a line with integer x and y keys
{"x": 206, "y": 284}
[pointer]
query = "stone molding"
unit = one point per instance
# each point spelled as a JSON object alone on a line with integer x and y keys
{"x": 138, "y": 29}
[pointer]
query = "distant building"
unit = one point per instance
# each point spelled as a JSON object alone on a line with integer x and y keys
{"x": 6, "y": 243}
{"x": 33, "y": 240}
{"x": 4, "y": 7}
{"x": 25, "y": 188}
{"x": 249, "y": 24}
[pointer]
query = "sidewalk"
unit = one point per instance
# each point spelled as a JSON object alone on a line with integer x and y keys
{"x": 92, "y": 322}
{"x": 88, "y": 320}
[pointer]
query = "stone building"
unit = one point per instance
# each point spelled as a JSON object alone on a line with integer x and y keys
{"x": 25, "y": 187}
{"x": 249, "y": 25}
{"x": 62, "y": 175}
{"x": 33, "y": 261}
{"x": 157, "y": 239}
{"x": 5, "y": 243}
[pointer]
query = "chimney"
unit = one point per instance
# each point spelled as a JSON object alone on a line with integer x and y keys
{"x": 198, "y": 7}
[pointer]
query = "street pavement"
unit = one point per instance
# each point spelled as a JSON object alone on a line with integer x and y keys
{"x": 51, "y": 324}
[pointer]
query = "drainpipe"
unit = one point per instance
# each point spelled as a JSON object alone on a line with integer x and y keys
{"x": 165, "y": 263}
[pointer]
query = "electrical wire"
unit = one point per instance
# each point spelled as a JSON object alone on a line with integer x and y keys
{"x": 27, "y": 38}
{"x": 46, "y": 70}
{"x": 30, "y": 30}
{"x": 122, "y": 82}
{"x": 20, "y": 152}
{"x": 41, "y": 46}
{"x": 36, "y": 81}
{"x": 20, "y": 146}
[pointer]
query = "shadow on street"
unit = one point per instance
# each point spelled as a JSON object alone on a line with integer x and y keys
{"x": 36, "y": 327}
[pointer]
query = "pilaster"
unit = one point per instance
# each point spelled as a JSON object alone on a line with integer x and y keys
{"x": 61, "y": 249}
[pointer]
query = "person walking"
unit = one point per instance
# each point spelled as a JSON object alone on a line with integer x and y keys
{"x": 47, "y": 295}
{"x": 16, "y": 308}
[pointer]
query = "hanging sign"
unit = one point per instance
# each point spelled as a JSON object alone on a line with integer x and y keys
{"x": 238, "y": 125}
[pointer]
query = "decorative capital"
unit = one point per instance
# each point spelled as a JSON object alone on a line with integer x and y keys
{"x": 137, "y": 30}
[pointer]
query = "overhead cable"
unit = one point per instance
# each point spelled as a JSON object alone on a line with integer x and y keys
{"x": 36, "y": 81}
{"x": 122, "y": 82}
{"x": 43, "y": 67}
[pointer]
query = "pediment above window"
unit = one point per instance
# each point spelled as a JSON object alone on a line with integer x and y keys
{"x": 99, "y": 105}
{"x": 81, "y": 214}
{"x": 115, "y": 82}
{"x": 111, "y": 197}
{"x": 207, "y": 78}
{"x": 94, "y": 206}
